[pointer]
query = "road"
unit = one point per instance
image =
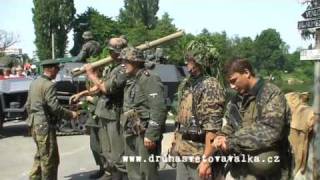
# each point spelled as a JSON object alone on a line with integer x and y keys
{"x": 76, "y": 161}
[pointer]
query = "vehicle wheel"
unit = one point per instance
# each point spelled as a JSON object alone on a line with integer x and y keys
{"x": 79, "y": 124}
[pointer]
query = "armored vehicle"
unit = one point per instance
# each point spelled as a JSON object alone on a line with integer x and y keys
{"x": 66, "y": 87}
{"x": 171, "y": 76}
{"x": 13, "y": 96}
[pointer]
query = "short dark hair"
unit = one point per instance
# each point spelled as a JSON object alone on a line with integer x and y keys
{"x": 238, "y": 66}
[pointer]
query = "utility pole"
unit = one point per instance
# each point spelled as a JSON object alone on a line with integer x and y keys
{"x": 316, "y": 106}
{"x": 312, "y": 16}
{"x": 52, "y": 46}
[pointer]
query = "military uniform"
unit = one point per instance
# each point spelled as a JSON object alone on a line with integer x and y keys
{"x": 257, "y": 124}
{"x": 43, "y": 107}
{"x": 93, "y": 125}
{"x": 200, "y": 99}
{"x": 144, "y": 95}
{"x": 90, "y": 48}
{"x": 108, "y": 110}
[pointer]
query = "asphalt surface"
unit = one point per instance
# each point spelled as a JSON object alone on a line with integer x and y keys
{"x": 17, "y": 150}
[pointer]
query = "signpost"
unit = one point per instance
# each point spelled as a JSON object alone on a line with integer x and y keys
{"x": 313, "y": 23}
{"x": 312, "y": 14}
{"x": 313, "y": 54}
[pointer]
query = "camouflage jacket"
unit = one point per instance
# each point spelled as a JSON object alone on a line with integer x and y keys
{"x": 264, "y": 119}
{"x": 207, "y": 104}
{"x": 89, "y": 49}
{"x": 109, "y": 105}
{"x": 42, "y": 104}
{"x": 144, "y": 92}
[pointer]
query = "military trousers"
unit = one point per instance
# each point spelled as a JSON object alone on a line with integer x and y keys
{"x": 142, "y": 169}
{"x": 46, "y": 159}
{"x": 95, "y": 146}
{"x": 187, "y": 171}
{"x": 116, "y": 142}
{"x": 105, "y": 146}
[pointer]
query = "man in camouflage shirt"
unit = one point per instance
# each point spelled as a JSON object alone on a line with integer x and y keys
{"x": 144, "y": 115}
{"x": 44, "y": 112}
{"x": 256, "y": 126}
{"x": 90, "y": 48}
{"x": 200, "y": 110}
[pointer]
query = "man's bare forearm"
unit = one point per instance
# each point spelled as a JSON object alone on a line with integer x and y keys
{"x": 208, "y": 149}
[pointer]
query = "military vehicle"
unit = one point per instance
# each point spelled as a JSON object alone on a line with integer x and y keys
{"x": 170, "y": 75}
{"x": 13, "y": 96}
{"x": 14, "y": 93}
{"x": 66, "y": 87}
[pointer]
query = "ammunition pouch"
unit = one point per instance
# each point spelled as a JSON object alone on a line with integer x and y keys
{"x": 193, "y": 133}
{"x": 134, "y": 125}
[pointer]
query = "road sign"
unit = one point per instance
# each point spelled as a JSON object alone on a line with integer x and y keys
{"x": 312, "y": 13}
{"x": 309, "y": 24}
{"x": 312, "y": 54}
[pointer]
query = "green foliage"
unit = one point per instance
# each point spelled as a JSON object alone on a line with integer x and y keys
{"x": 139, "y": 11}
{"x": 52, "y": 16}
{"x": 242, "y": 48}
{"x": 207, "y": 55}
{"x": 268, "y": 51}
{"x": 101, "y": 26}
{"x": 138, "y": 22}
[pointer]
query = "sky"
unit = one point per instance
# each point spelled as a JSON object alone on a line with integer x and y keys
{"x": 235, "y": 17}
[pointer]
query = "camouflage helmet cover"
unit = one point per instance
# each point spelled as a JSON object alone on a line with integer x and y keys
{"x": 202, "y": 53}
{"x": 87, "y": 35}
{"x": 132, "y": 54}
{"x": 117, "y": 44}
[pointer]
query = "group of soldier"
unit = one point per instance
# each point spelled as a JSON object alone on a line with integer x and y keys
{"x": 128, "y": 113}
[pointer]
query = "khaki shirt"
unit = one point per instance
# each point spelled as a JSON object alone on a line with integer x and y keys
{"x": 42, "y": 104}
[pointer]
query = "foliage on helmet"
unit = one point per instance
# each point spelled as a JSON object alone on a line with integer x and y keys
{"x": 202, "y": 52}
{"x": 205, "y": 54}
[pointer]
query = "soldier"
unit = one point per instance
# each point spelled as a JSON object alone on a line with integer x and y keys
{"x": 144, "y": 115}
{"x": 257, "y": 124}
{"x": 44, "y": 111}
{"x": 109, "y": 107}
{"x": 90, "y": 48}
{"x": 200, "y": 110}
{"x": 94, "y": 126}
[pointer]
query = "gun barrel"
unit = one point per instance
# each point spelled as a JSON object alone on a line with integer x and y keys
{"x": 145, "y": 46}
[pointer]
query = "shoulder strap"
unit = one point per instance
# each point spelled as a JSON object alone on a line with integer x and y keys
{"x": 258, "y": 100}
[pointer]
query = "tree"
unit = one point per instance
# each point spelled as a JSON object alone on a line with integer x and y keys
{"x": 269, "y": 51}
{"x": 101, "y": 26}
{"x": 52, "y": 16}
{"x": 7, "y": 39}
{"x": 136, "y": 11}
{"x": 243, "y": 48}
